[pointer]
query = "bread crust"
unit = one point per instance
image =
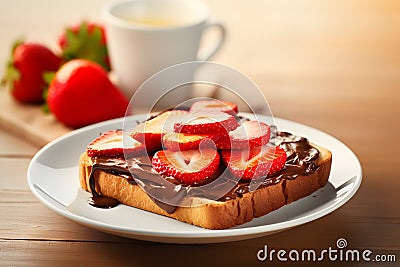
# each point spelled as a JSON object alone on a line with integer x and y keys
{"x": 213, "y": 214}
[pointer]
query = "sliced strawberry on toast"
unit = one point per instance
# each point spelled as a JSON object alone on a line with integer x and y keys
{"x": 248, "y": 135}
{"x": 216, "y": 123}
{"x": 256, "y": 162}
{"x": 182, "y": 141}
{"x": 189, "y": 166}
{"x": 224, "y": 106}
{"x": 112, "y": 144}
{"x": 151, "y": 132}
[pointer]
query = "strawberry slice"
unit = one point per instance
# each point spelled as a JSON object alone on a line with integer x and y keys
{"x": 151, "y": 132}
{"x": 189, "y": 166}
{"x": 182, "y": 141}
{"x": 216, "y": 123}
{"x": 254, "y": 163}
{"x": 110, "y": 144}
{"x": 224, "y": 106}
{"x": 248, "y": 135}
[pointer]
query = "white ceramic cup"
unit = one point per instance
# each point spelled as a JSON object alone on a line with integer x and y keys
{"x": 146, "y": 36}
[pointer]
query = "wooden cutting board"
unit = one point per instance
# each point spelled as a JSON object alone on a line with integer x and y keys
{"x": 28, "y": 121}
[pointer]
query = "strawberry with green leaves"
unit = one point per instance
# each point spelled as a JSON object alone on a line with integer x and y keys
{"x": 86, "y": 40}
{"x": 81, "y": 94}
{"x": 27, "y": 65}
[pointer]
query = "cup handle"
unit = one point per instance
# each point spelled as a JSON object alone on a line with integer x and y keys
{"x": 210, "y": 52}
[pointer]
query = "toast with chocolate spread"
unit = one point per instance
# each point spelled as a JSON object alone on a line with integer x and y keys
{"x": 209, "y": 168}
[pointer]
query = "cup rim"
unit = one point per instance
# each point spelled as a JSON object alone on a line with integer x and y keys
{"x": 110, "y": 18}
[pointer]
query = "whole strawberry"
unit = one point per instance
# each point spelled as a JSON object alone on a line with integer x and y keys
{"x": 81, "y": 94}
{"x": 25, "y": 69}
{"x": 86, "y": 41}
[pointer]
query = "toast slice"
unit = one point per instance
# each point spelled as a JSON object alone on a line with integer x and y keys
{"x": 213, "y": 214}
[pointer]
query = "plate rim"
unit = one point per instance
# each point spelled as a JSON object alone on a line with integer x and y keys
{"x": 213, "y": 235}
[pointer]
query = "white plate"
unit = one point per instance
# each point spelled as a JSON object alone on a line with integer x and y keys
{"x": 53, "y": 178}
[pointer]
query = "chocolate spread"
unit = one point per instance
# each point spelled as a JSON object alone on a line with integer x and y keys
{"x": 301, "y": 158}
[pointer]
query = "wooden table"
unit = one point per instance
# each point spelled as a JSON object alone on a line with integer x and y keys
{"x": 333, "y": 65}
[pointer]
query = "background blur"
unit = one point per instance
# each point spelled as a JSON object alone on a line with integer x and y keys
{"x": 341, "y": 51}
{"x": 332, "y": 64}
{"x": 301, "y": 37}
{"x": 306, "y": 37}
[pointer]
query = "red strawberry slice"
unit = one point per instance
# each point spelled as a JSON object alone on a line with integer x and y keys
{"x": 151, "y": 132}
{"x": 256, "y": 162}
{"x": 182, "y": 141}
{"x": 224, "y": 106}
{"x": 189, "y": 166}
{"x": 215, "y": 123}
{"x": 111, "y": 144}
{"x": 248, "y": 135}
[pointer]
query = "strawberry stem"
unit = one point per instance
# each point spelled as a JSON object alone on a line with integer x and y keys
{"x": 47, "y": 78}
